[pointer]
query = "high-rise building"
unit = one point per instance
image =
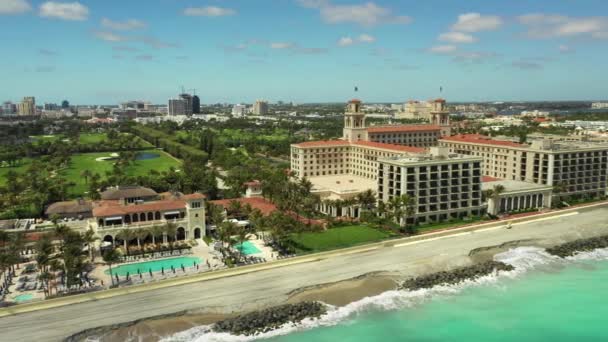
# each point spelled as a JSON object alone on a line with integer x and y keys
{"x": 27, "y": 106}
{"x": 260, "y": 107}
{"x": 177, "y": 106}
{"x": 196, "y": 105}
{"x": 9, "y": 108}
{"x": 239, "y": 110}
{"x": 51, "y": 106}
{"x": 189, "y": 101}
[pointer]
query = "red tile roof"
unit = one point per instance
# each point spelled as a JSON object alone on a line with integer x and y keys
{"x": 488, "y": 179}
{"x": 481, "y": 139}
{"x": 113, "y": 209}
{"x": 403, "y": 128}
{"x": 354, "y": 101}
{"x": 322, "y": 143}
{"x": 263, "y": 205}
{"x": 400, "y": 148}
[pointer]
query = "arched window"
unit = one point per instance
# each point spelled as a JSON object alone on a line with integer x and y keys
{"x": 135, "y": 218}
{"x": 142, "y": 217}
{"x": 150, "y": 216}
{"x": 157, "y": 215}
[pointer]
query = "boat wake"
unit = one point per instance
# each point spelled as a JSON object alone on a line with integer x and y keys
{"x": 524, "y": 259}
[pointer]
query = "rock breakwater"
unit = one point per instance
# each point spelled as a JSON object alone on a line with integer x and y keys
{"x": 582, "y": 245}
{"x": 269, "y": 319}
{"x": 455, "y": 276}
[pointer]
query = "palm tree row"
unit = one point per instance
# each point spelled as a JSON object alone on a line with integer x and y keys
{"x": 166, "y": 232}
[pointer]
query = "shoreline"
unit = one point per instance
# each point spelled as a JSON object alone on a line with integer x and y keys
{"x": 337, "y": 294}
{"x": 353, "y": 274}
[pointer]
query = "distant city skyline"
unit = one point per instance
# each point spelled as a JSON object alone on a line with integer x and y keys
{"x": 93, "y": 52}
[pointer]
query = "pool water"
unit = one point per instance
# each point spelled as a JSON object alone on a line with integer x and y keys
{"x": 155, "y": 265}
{"x": 23, "y": 297}
{"x": 146, "y": 156}
{"x": 247, "y": 248}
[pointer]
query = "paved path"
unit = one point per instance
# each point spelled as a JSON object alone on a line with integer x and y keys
{"x": 270, "y": 286}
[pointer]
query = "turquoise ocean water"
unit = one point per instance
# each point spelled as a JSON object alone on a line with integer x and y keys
{"x": 545, "y": 299}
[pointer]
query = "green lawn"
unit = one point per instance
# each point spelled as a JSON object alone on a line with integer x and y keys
{"x": 339, "y": 237}
{"x": 92, "y": 138}
{"x": 444, "y": 225}
{"x": 23, "y": 164}
{"x": 87, "y": 161}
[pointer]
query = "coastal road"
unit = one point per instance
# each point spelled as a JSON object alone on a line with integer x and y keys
{"x": 247, "y": 291}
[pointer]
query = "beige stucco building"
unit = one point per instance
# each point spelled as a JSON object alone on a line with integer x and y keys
{"x": 516, "y": 196}
{"x": 442, "y": 185}
{"x": 572, "y": 168}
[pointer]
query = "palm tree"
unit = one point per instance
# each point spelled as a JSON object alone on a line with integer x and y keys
{"x": 235, "y": 207}
{"x": 367, "y": 199}
{"x": 111, "y": 257}
{"x": 140, "y": 234}
{"x": 90, "y": 238}
{"x": 86, "y": 174}
{"x": 226, "y": 230}
{"x": 499, "y": 189}
{"x": 126, "y": 235}
{"x": 156, "y": 231}
{"x": 215, "y": 213}
{"x": 171, "y": 232}
{"x": 45, "y": 277}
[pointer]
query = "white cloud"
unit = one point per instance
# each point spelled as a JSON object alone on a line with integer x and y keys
{"x": 362, "y": 38}
{"x": 64, "y": 10}
{"x": 443, "y": 49}
{"x": 346, "y": 41}
{"x": 131, "y": 24}
{"x": 366, "y": 38}
{"x": 368, "y": 14}
{"x": 281, "y": 45}
{"x": 475, "y": 22}
{"x": 110, "y": 37}
{"x": 457, "y": 37}
{"x": 14, "y": 6}
{"x": 209, "y": 11}
{"x": 542, "y": 26}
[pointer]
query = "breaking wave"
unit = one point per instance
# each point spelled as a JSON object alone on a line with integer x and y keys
{"x": 524, "y": 259}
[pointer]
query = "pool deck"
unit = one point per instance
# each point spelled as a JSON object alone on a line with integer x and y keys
{"x": 201, "y": 251}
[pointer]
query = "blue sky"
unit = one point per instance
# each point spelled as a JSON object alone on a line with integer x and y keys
{"x": 303, "y": 50}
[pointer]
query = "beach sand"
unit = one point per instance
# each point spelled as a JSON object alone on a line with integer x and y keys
{"x": 338, "y": 294}
{"x": 154, "y": 329}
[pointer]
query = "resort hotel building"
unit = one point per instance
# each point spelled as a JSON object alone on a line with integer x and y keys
{"x": 441, "y": 185}
{"x": 341, "y": 169}
{"x": 132, "y": 208}
{"x": 571, "y": 168}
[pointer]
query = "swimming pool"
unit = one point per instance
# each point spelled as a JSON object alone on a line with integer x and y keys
{"x": 155, "y": 265}
{"x": 247, "y": 248}
{"x": 146, "y": 156}
{"x": 23, "y": 297}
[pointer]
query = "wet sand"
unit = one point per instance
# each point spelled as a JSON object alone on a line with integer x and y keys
{"x": 153, "y": 329}
{"x": 345, "y": 292}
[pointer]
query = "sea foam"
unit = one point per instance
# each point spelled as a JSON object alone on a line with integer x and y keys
{"x": 524, "y": 259}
